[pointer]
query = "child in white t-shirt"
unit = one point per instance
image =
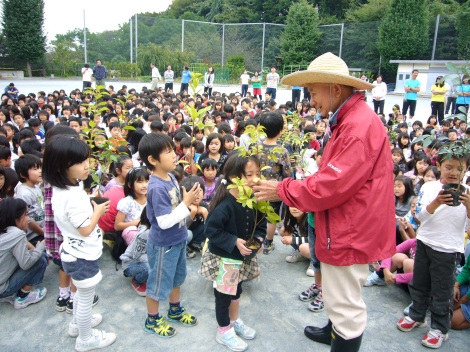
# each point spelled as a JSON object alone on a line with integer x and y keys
{"x": 438, "y": 250}
{"x": 66, "y": 162}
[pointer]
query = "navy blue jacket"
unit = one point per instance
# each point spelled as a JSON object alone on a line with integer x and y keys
{"x": 100, "y": 72}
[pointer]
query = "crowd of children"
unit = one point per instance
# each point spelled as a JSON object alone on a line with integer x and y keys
{"x": 171, "y": 196}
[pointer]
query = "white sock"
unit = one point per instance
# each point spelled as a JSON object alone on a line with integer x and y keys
{"x": 82, "y": 311}
{"x": 64, "y": 292}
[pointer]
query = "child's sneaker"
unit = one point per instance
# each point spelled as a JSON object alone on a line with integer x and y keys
{"x": 434, "y": 338}
{"x": 161, "y": 328}
{"x": 98, "y": 339}
{"x": 310, "y": 293}
{"x": 96, "y": 319}
{"x": 310, "y": 271}
{"x": 243, "y": 330}
{"x": 190, "y": 254}
{"x": 406, "y": 311}
{"x": 61, "y": 304}
{"x": 317, "y": 305}
{"x": 182, "y": 317}
{"x": 140, "y": 289}
{"x": 295, "y": 257}
{"x": 374, "y": 279}
{"x": 69, "y": 308}
{"x": 10, "y": 299}
{"x": 196, "y": 247}
{"x": 231, "y": 340}
{"x": 268, "y": 247}
{"x": 408, "y": 324}
{"x": 34, "y": 296}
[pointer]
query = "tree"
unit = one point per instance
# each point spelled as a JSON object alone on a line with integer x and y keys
{"x": 373, "y": 10}
{"x": 300, "y": 37}
{"x": 403, "y": 33}
{"x": 22, "y": 22}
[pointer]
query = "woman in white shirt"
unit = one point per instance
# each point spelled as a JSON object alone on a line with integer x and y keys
{"x": 378, "y": 95}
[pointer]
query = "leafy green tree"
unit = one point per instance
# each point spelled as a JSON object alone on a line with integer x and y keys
{"x": 372, "y": 10}
{"x": 300, "y": 38}
{"x": 403, "y": 33}
{"x": 22, "y": 22}
{"x": 463, "y": 29}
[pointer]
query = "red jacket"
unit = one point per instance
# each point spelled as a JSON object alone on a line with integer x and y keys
{"x": 352, "y": 192}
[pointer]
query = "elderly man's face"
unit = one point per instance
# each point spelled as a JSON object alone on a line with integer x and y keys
{"x": 320, "y": 98}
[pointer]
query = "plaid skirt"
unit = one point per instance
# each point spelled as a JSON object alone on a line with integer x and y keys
{"x": 210, "y": 264}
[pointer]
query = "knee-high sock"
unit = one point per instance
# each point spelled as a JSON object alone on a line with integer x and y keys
{"x": 83, "y": 314}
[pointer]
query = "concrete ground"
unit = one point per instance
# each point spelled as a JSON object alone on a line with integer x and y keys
{"x": 269, "y": 304}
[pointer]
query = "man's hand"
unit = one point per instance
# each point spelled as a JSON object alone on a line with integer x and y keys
{"x": 266, "y": 190}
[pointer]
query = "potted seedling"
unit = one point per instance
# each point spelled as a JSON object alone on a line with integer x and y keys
{"x": 103, "y": 150}
{"x": 262, "y": 209}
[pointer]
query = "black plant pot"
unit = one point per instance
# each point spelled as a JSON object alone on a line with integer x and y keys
{"x": 254, "y": 251}
{"x": 99, "y": 200}
{"x": 456, "y": 191}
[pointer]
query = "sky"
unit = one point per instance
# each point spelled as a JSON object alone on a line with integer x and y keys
{"x": 61, "y": 16}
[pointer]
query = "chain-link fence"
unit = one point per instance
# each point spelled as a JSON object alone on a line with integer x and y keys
{"x": 214, "y": 43}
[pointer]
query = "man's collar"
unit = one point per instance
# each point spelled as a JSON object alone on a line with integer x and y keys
{"x": 334, "y": 118}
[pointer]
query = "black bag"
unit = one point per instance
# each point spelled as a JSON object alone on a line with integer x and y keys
{"x": 118, "y": 249}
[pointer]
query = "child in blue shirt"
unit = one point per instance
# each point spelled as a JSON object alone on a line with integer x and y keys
{"x": 166, "y": 246}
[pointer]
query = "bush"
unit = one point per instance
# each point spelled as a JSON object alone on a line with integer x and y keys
{"x": 236, "y": 64}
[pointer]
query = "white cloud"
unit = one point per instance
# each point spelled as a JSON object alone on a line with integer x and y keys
{"x": 61, "y": 16}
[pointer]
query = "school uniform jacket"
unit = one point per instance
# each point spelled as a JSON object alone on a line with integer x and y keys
{"x": 352, "y": 192}
{"x": 228, "y": 222}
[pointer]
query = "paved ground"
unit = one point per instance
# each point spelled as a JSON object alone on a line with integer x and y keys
{"x": 269, "y": 304}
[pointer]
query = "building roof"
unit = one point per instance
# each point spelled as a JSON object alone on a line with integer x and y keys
{"x": 458, "y": 62}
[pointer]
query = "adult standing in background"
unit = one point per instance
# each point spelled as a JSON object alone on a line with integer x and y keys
{"x": 272, "y": 80}
{"x": 344, "y": 196}
{"x": 438, "y": 96}
{"x": 412, "y": 87}
{"x": 363, "y": 92}
{"x": 451, "y": 97}
{"x": 185, "y": 78}
{"x": 169, "y": 78}
{"x": 100, "y": 73}
{"x": 87, "y": 73}
{"x": 209, "y": 78}
{"x": 244, "y": 78}
{"x": 256, "y": 83}
{"x": 296, "y": 93}
{"x": 155, "y": 76}
{"x": 463, "y": 95}
{"x": 378, "y": 94}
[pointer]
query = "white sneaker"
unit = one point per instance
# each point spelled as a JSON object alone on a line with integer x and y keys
{"x": 243, "y": 330}
{"x": 295, "y": 257}
{"x": 231, "y": 340}
{"x": 34, "y": 296}
{"x": 310, "y": 272}
{"x": 98, "y": 339}
{"x": 95, "y": 321}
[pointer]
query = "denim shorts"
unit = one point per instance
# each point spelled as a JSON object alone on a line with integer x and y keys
{"x": 465, "y": 307}
{"x": 167, "y": 269}
{"x": 84, "y": 273}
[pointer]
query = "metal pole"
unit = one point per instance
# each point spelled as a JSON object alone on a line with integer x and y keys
{"x": 262, "y": 49}
{"x": 136, "y": 38}
{"x": 130, "y": 31}
{"x": 341, "y": 42}
{"x": 223, "y": 43}
{"x": 182, "y": 36}
{"x": 380, "y": 63}
{"x": 84, "y": 36}
{"x": 435, "y": 36}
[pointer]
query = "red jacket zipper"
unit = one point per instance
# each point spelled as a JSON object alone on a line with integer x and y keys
{"x": 327, "y": 220}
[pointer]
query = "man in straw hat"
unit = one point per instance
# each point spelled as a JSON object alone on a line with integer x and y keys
{"x": 350, "y": 196}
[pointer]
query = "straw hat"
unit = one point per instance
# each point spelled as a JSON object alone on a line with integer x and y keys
{"x": 327, "y": 68}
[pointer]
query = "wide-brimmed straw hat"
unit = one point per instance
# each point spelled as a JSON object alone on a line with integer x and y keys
{"x": 327, "y": 68}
